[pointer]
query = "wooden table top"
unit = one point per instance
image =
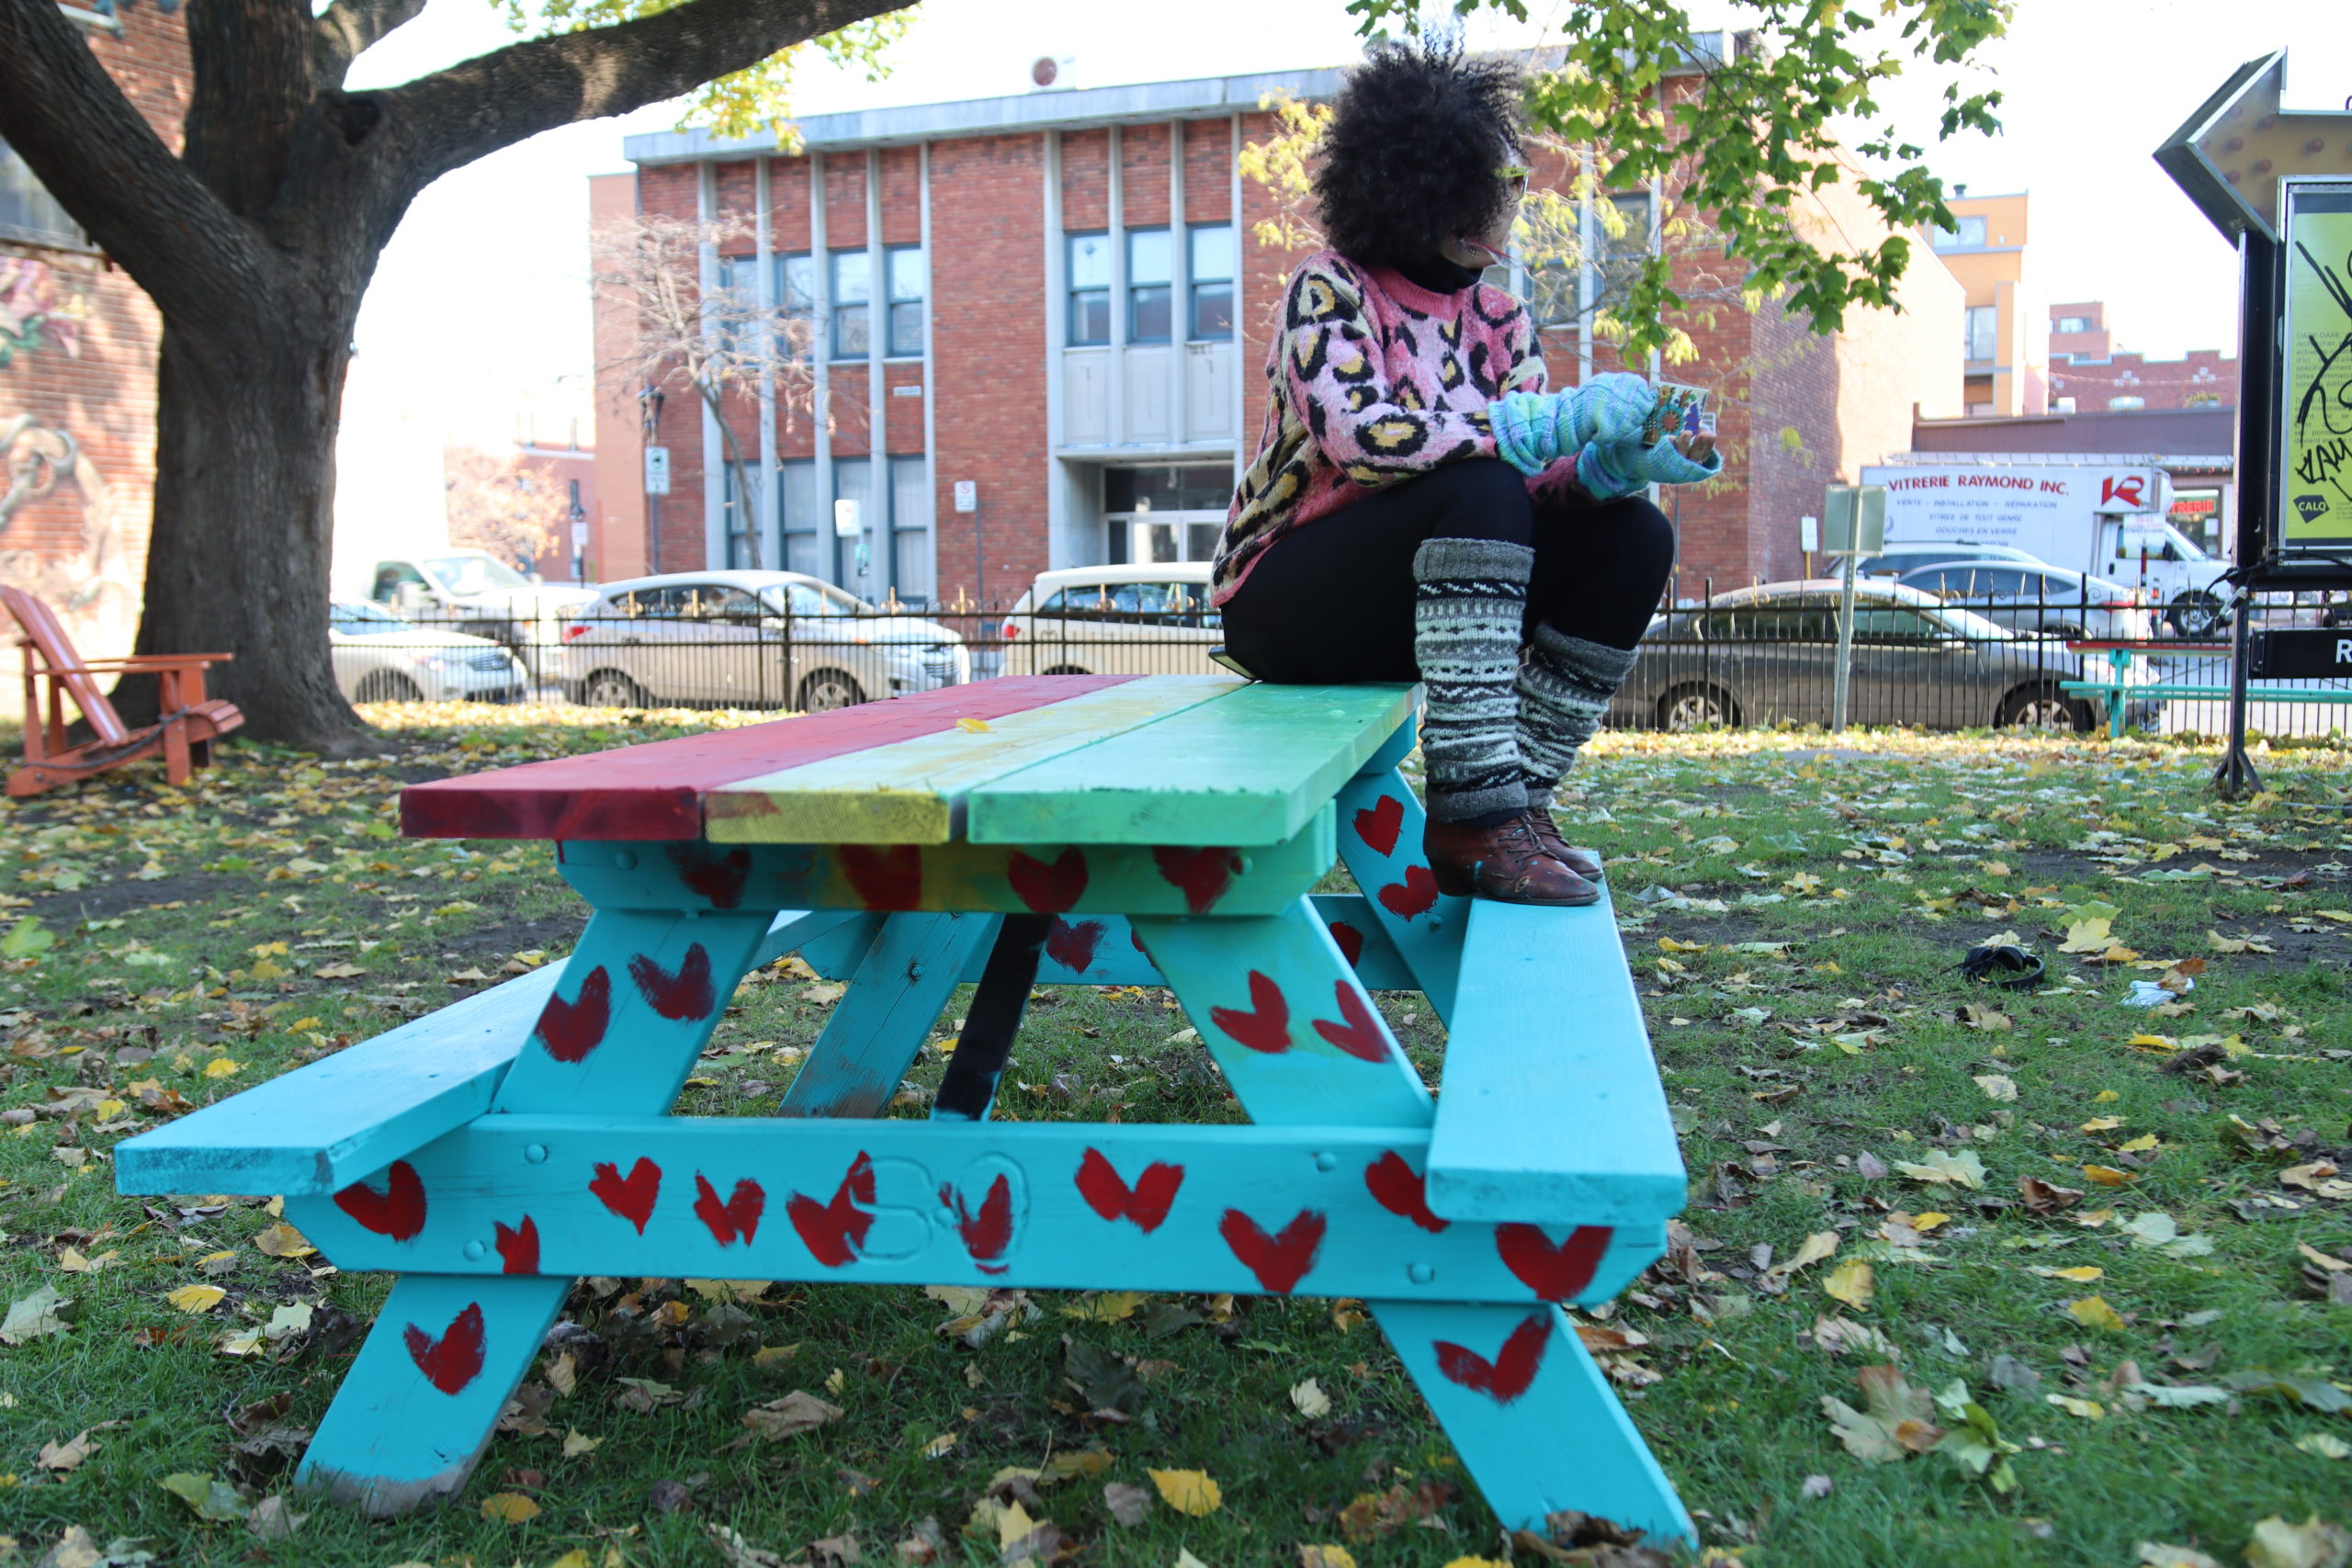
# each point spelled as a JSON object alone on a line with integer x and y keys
{"x": 1179, "y": 760}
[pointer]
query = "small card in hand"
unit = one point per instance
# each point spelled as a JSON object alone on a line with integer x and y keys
{"x": 1677, "y": 411}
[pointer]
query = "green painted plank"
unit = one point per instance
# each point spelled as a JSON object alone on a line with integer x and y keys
{"x": 1250, "y": 767}
{"x": 912, "y": 792}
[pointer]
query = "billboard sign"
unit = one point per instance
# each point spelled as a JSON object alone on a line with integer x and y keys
{"x": 2316, "y": 408}
{"x": 2023, "y": 506}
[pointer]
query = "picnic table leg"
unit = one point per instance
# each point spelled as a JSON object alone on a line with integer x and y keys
{"x": 878, "y": 1025}
{"x": 985, "y": 1043}
{"x": 1530, "y": 1416}
{"x": 639, "y": 1000}
{"x": 1380, "y": 842}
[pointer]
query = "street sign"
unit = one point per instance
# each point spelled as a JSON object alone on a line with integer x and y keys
{"x": 579, "y": 538}
{"x": 1839, "y": 531}
{"x": 2231, "y": 154}
{"x": 967, "y": 495}
{"x": 2316, "y": 408}
{"x": 657, "y": 470}
{"x": 848, "y": 519}
{"x": 2301, "y": 655}
{"x": 1808, "y": 532}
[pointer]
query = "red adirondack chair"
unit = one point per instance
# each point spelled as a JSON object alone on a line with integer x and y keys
{"x": 184, "y": 734}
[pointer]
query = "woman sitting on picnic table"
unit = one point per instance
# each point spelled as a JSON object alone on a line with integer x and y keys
{"x": 1420, "y": 508}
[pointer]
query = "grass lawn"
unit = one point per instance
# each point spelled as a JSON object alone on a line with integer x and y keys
{"x": 2121, "y": 1229}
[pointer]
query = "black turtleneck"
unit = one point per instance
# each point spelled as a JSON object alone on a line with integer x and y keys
{"x": 1439, "y": 274}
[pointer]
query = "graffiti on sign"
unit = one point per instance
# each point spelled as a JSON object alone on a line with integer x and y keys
{"x": 2318, "y": 403}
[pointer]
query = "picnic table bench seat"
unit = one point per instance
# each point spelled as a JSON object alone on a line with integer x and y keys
{"x": 1062, "y": 830}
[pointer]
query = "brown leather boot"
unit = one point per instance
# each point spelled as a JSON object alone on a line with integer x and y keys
{"x": 1506, "y": 862}
{"x": 1548, "y": 832}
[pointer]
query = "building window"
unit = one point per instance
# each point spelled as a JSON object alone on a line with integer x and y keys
{"x": 1983, "y": 325}
{"x": 795, "y": 303}
{"x": 800, "y": 520}
{"x": 1967, "y": 233}
{"x": 26, "y": 209}
{"x": 853, "y": 309}
{"x": 1150, "y": 277}
{"x": 1090, "y": 288}
{"x": 1212, "y": 281}
{"x": 904, "y": 266}
{"x": 2127, "y": 403}
{"x": 2072, "y": 324}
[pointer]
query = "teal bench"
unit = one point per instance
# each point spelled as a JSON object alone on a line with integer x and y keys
{"x": 1163, "y": 830}
{"x": 2117, "y": 687}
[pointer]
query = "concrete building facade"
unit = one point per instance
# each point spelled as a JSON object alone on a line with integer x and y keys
{"x": 1052, "y": 309}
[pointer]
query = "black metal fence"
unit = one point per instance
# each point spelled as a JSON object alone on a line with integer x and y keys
{"x": 1766, "y": 655}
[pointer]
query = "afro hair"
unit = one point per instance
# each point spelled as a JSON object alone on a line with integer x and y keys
{"x": 1409, "y": 158}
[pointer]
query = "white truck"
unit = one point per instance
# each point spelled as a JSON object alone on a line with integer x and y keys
{"x": 2100, "y": 515}
{"x": 475, "y": 592}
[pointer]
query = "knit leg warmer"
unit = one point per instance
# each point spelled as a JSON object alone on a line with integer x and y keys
{"x": 1565, "y": 686}
{"x": 1470, "y": 597}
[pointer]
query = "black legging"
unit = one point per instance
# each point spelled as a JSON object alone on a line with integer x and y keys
{"x": 1332, "y": 604}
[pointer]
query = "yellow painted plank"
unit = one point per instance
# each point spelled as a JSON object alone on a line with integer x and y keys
{"x": 912, "y": 792}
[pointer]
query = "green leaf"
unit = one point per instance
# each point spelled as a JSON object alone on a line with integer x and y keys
{"x": 212, "y": 1498}
{"x": 26, "y": 938}
{"x": 35, "y": 1316}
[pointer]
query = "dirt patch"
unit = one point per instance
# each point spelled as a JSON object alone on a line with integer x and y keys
{"x": 105, "y": 900}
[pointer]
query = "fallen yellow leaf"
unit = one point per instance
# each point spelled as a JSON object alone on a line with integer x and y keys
{"x": 2080, "y": 1276}
{"x": 1188, "y": 1491}
{"x": 2104, "y": 1124}
{"x": 2107, "y": 1175}
{"x": 197, "y": 1298}
{"x": 282, "y": 1240}
{"x": 2089, "y": 1409}
{"x": 576, "y": 1442}
{"x": 2092, "y": 1312}
{"x": 973, "y": 726}
{"x": 1928, "y": 1221}
{"x": 1852, "y": 1283}
{"x": 509, "y": 1509}
{"x": 222, "y": 1068}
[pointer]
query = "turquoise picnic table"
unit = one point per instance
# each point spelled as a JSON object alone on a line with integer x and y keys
{"x": 1059, "y": 830}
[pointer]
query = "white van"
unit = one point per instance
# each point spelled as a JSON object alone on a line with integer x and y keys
{"x": 1148, "y": 619}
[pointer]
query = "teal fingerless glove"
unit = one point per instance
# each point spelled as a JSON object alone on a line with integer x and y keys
{"x": 1663, "y": 465}
{"x": 1526, "y": 430}
{"x": 1605, "y": 472}
{"x": 1609, "y": 408}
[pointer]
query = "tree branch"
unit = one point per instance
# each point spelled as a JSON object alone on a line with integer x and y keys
{"x": 453, "y": 117}
{"x": 348, "y": 28}
{"x": 61, "y": 112}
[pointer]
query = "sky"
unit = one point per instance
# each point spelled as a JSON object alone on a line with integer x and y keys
{"x": 482, "y": 296}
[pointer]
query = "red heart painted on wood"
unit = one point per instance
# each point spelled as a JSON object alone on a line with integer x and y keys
{"x": 1350, "y": 942}
{"x": 717, "y": 877}
{"x": 1266, "y": 1026}
{"x": 1412, "y": 897}
{"x": 1361, "y": 1033}
{"x": 631, "y": 1196}
{"x": 1049, "y": 889}
{"x": 1204, "y": 874}
{"x": 738, "y": 1218}
{"x": 834, "y": 1232}
{"x": 988, "y": 1233}
{"x": 1399, "y": 1188}
{"x": 1553, "y": 1273}
{"x": 1147, "y": 1203}
{"x": 685, "y": 997}
{"x": 1512, "y": 1370}
{"x": 1073, "y": 946}
{"x": 397, "y": 1212}
{"x": 885, "y": 878}
{"x": 1281, "y": 1260}
{"x": 452, "y": 1362}
{"x": 1377, "y": 824}
{"x": 570, "y": 1030}
{"x": 519, "y": 1249}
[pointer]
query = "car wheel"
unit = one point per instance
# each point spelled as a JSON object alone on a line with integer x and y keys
{"x": 830, "y": 689}
{"x": 2197, "y": 614}
{"x": 2045, "y": 708}
{"x": 1068, "y": 670}
{"x": 1696, "y": 707}
{"x": 611, "y": 689}
{"x": 387, "y": 686}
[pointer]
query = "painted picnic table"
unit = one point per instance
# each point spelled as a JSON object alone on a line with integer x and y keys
{"x": 1059, "y": 830}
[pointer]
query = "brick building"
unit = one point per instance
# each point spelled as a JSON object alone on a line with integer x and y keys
{"x": 77, "y": 367}
{"x": 2087, "y": 374}
{"x": 1055, "y": 300}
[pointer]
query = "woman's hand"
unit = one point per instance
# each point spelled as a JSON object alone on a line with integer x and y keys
{"x": 1697, "y": 446}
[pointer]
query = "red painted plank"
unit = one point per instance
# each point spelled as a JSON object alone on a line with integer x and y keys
{"x": 656, "y": 791}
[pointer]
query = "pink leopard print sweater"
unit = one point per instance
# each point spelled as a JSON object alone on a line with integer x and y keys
{"x": 1374, "y": 379}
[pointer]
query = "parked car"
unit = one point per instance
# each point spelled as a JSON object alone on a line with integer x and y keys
{"x": 1769, "y": 655}
{"x": 751, "y": 639}
{"x": 474, "y": 591}
{"x": 1900, "y": 558}
{"x": 379, "y": 658}
{"x": 1148, "y": 619}
{"x": 2047, "y": 599}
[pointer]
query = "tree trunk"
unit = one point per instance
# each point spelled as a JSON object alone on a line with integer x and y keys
{"x": 244, "y": 511}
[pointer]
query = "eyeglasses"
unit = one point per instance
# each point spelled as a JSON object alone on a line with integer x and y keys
{"x": 1514, "y": 175}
